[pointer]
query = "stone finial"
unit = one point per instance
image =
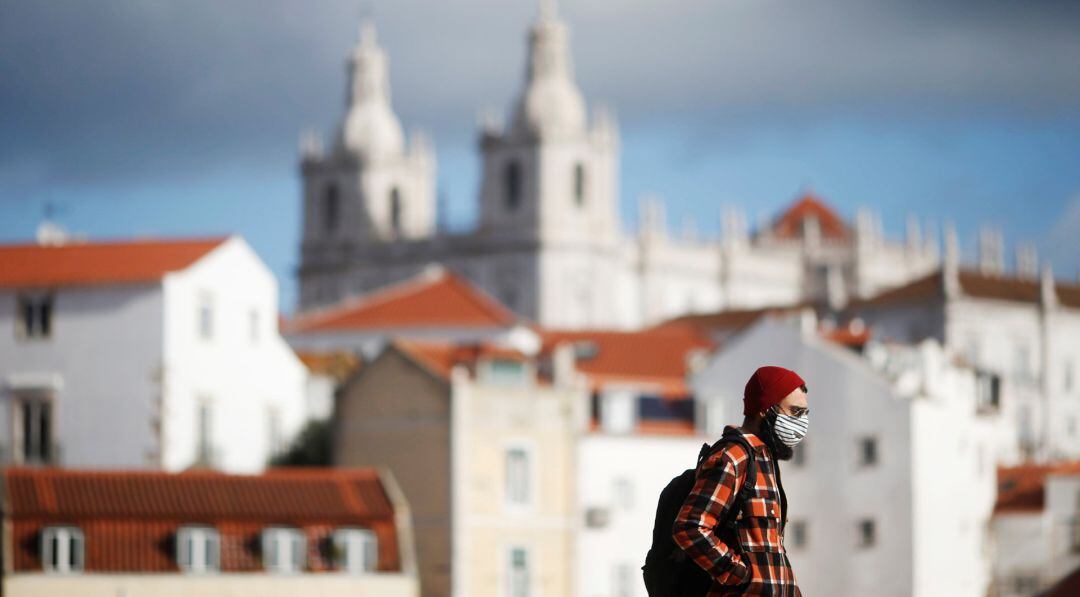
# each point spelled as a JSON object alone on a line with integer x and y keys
{"x": 1027, "y": 261}
{"x": 950, "y": 267}
{"x": 991, "y": 251}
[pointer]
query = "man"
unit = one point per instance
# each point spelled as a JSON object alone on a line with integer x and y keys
{"x": 776, "y": 418}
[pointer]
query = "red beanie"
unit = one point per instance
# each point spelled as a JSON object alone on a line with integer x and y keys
{"x": 768, "y": 386}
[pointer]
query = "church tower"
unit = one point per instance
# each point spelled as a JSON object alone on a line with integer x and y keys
{"x": 369, "y": 187}
{"x": 551, "y": 175}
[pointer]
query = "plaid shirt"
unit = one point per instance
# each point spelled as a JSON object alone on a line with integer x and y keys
{"x": 762, "y": 559}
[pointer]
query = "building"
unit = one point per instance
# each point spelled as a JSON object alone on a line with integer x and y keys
{"x": 328, "y": 532}
{"x": 549, "y": 242}
{"x": 892, "y": 490}
{"x": 1036, "y": 529}
{"x": 641, "y": 434}
{"x": 144, "y": 354}
{"x": 1024, "y": 327}
{"x": 481, "y": 438}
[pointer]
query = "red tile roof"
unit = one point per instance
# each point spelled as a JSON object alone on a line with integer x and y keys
{"x": 440, "y": 300}
{"x": 654, "y": 357}
{"x": 789, "y": 225}
{"x": 1021, "y": 489}
{"x": 974, "y": 284}
{"x": 440, "y": 358}
{"x": 129, "y": 519}
{"x": 336, "y": 364}
{"x": 98, "y": 262}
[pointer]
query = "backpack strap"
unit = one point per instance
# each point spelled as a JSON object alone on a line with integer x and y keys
{"x": 745, "y": 492}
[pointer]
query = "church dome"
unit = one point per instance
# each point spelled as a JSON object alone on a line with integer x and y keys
{"x": 372, "y": 129}
{"x": 551, "y": 105}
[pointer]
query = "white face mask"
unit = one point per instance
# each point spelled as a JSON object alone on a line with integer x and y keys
{"x": 791, "y": 430}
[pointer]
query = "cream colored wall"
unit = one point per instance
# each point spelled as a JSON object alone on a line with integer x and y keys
{"x": 211, "y": 585}
{"x": 545, "y": 421}
{"x": 394, "y": 414}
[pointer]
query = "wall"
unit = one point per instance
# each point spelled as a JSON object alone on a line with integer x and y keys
{"x": 106, "y": 349}
{"x": 210, "y": 585}
{"x": 244, "y": 379}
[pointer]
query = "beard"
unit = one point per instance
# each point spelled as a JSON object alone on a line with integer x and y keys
{"x": 778, "y": 449}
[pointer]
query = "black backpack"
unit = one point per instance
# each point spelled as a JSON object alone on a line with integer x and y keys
{"x": 668, "y": 571}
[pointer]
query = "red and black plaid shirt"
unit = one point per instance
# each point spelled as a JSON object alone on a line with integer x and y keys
{"x": 761, "y": 557}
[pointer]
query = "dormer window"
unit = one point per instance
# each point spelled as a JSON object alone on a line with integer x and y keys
{"x": 356, "y": 550}
{"x": 284, "y": 550}
{"x": 198, "y": 549}
{"x": 62, "y": 549}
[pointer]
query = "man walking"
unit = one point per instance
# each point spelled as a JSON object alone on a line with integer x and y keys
{"x": 776, "y": 418}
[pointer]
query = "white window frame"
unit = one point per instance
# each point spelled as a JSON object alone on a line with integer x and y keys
{"x": 198, "y": 549}
{"x": 530, "y": 572}
{"x": 47, "y": 447}
{"x": 356, "y": 550}
{"x": 205, "y": 452}
{"x": 284, "y": 550}
{"x": 71, "y": 548}
{"x": 530, "y": 477}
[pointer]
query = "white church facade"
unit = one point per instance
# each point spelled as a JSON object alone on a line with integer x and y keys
{"x": 549, "y": 242}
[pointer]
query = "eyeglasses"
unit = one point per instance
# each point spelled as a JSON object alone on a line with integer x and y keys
{"x": 796, "y": 411}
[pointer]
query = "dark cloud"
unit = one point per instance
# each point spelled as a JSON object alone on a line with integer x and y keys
{"x": 139, "y": 89}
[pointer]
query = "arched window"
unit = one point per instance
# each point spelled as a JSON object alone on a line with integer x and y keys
{"x": 512, "y": 184}
{"x": 579, "y": 184}
{"x": 395, "y": 210}
{"x": 330, "y": 208}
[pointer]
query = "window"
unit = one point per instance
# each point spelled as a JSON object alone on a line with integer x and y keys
{"x": 330, "y": 208}
{"x": 618, "y": 411}
{"x": 33, "y": 430}
{"x": 204, "y": 432}
{"x": 206, "y": 317}
{"x": 506, "y": 371}
{"x": 1022, "y": 364}
{"x": 253, "y": 325}
{"x": 198, "y": 549}
{"x": 275, "y": 438}
{"x": 625, "y": 580}
{"x": 624, "y": 493}
{"x": 34, "y": 319}
{"x": 797, "y": 531}
{"x": 518, "y": 579}
{"x": 62, "y": 549}
{"x": 512, "y": 185}
{"x": 517, "y": 476}
{"x": 395, "y": 210}
{"x": 987, "y": 392}
{"x": 867, "y": 536}
{"x": 579, "y": 184}
{"x": 356, "y": 550}
{"x": 868, "y": 451}
{"x": 284, "y": 549}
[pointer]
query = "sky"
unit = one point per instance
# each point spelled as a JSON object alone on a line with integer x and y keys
{"x": 143, "y": 117}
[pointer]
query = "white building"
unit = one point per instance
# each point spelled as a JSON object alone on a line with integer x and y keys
{"x": 155, "y": 354}
{"x": 550, "y": 243}
{"x": 1023, "y": 327}
{"x": 1036, "y": 529}
{"x": 891, "y": 493}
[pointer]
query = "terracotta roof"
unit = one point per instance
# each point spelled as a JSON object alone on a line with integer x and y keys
{"x": 440, "y": 358}
{"x": 337, "y": 364}
{"x": 442, "y": 299}
{"x": 974, "y": 284}
{"x": 1021, "y": 489}
{"x": 129, "y": 519}
{"x": 789, "y": 224}
{"x": 99, "y": 262}
{"x": 655, "y": 356}
{"x": 851, "y": 335}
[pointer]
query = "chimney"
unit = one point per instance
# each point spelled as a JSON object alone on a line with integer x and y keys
{"x": 991, "y": 252}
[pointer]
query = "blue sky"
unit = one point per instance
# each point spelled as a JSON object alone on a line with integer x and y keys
{"x": 159, "y": 118}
